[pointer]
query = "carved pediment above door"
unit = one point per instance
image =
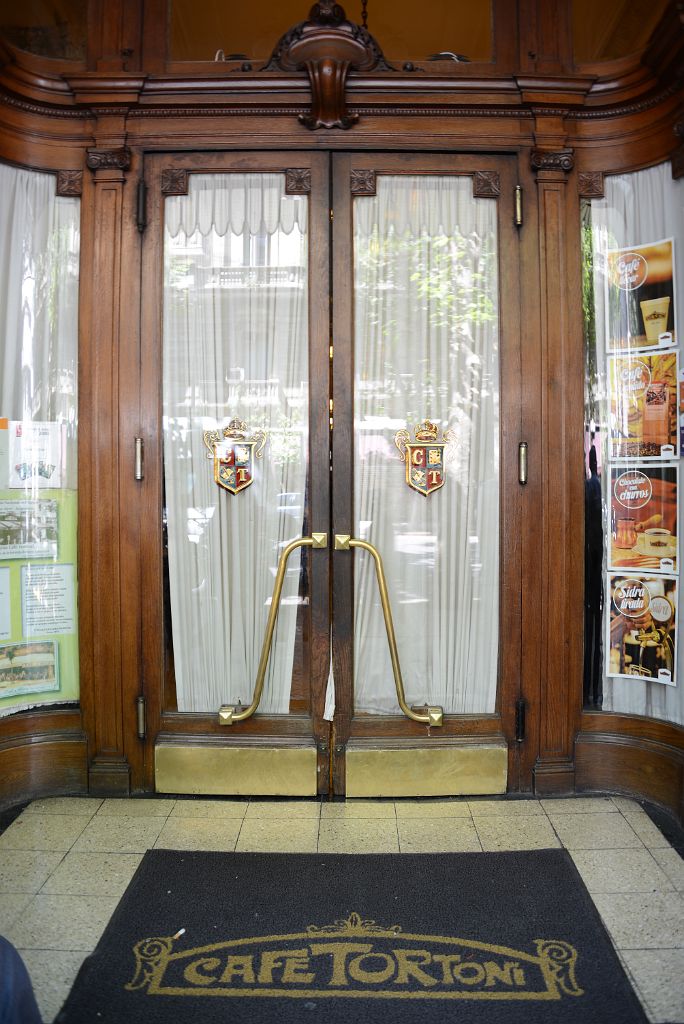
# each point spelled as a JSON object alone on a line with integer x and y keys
{"x": 327, "y": 47}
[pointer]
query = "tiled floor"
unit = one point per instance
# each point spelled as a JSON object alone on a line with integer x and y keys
{"x": 65, "y": 862}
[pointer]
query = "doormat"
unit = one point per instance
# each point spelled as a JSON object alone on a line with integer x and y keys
{"x": 488, "y": 938}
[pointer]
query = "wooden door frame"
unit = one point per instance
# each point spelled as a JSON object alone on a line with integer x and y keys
{"x": 167, "y": 174}
{"x": 495, "y": 177}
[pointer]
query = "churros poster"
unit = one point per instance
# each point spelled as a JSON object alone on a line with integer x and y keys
{"x": 643, "y": 406}
{"x": 643, "y": 518}
{"x": 642, "y": 627}
{"x": 640, "y": 300}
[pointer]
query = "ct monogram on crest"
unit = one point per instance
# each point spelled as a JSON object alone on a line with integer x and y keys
{"x": 234, "y": 455}
{"x": 425, "y": 458}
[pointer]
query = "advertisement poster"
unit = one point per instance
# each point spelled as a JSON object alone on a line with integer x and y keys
{"x": 640, "y": 300}
{"x": 642, "y": 627}
{"x": 643, "y": 518}
{"x": 28, "y": 528}
{"x": 28, "y": 668}
{"x": 37, "y": 454}
{"x": 643, "y": 406}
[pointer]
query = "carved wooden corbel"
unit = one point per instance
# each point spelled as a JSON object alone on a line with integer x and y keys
{"x": 118, "y": 159}
{"x": 327, "y": 47}
{"x": 548, "y": 160}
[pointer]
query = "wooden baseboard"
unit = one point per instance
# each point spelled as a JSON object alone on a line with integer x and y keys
{"x": 635, "y": 766}
{"x": 37, "y": 766}
{"x": 554, "y": 778}
{"x": 109, "y": 778}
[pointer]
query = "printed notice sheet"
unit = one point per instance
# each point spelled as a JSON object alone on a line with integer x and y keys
{"x": 48, "y": 603}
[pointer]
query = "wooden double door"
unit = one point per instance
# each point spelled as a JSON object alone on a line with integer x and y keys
{"x": 331, "y": 395}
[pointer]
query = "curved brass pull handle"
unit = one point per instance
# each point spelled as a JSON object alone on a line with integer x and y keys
{"x": 229, "y": 713}
{"x": 431, "y": 715}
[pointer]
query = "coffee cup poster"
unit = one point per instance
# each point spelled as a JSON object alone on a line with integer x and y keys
{"x": 643, "y": 406}
{"x": 642, "y": 627}
{"x": 643, "y": 518}
{"x": 640, "y": 304}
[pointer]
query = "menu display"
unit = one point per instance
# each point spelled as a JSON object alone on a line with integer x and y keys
{"x": 640, "y": 307}
{"x": 643, "y": 406}
{"x": 644, "y": 445}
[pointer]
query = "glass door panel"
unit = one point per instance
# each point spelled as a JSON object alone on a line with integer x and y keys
{"x": 235, "y": 402}
{"x": 426, "y": 442}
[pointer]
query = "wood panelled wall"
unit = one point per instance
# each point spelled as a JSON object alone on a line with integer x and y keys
{"x": 567, "y": 127}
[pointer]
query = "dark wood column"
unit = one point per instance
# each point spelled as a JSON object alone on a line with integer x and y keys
{"x": 99, "y": 544}
{"x": 560, "y": 531}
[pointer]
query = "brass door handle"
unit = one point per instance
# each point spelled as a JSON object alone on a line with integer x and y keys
{"x": 431, "y": 715}
{"x": 230, "y": 713}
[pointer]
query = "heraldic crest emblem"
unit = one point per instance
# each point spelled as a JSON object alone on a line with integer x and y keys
{"x": 424, "y": 457}
{"x": 234, "y": 455}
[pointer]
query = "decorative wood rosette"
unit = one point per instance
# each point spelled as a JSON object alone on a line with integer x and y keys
{"x": 678, "y": 155}
{"x": 69, "y": 183}
{"x": 297, "y": 181}
{"x": 590, "y": 184}
{"x": 327, "y": 47}
{"x": 363, "y": 182}
{"x": 486, "y": 185}
{"x": 174, "y": 181}
{"x": 552, "y": 160}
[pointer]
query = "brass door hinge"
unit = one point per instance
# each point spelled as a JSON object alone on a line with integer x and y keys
{"x": 141, "y": 716}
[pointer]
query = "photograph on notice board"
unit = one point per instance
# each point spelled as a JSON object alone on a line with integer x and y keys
{"x": 643, "y": 518}
{"x": 643, "y": 406}
{"x": 642, "y": 627}
{"x": 28, "y": 668}
{"x": 640, "y": 301}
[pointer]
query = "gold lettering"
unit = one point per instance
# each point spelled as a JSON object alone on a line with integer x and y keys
{"x": 447, "y": 960}
{"x": 497, "y": 972}
{"x": 519, "y": 975}
{"x": 407, "y": 962}
{"x": 205, "y": 964}
{"x": 358, "y": 973}
{"x": 339, "y": 951}
{"x": 434, "y": 476}
{"x": 239, "y": 967}
{"x": 469, "y": 974}
{"x": 418, "y": 457}
{"x": 269, "y": 961}
{"x": 295, "y": 972}
{"x": 241, "y": 475}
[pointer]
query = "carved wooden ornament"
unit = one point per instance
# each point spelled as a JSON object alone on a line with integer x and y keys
{"x": 327, "y": 47}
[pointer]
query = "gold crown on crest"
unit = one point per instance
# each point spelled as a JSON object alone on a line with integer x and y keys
{"x": 236, "y": 429}
{"x": 426, "y": 431}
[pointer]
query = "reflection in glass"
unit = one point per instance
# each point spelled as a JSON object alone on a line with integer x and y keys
{"x": 46, "y": 28}
{"x": 197, "y": 32}
{"x": 39, "y": 267}
{"x": 426, "y": 347}
{"x": 235, "y": 346}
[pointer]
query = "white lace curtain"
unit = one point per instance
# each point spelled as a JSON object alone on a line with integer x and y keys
{"x": 235, "y": 345}
{"x": 636, "y": 209}
{"x": 39, "y": 253}
{"x": 426, "y": 344}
